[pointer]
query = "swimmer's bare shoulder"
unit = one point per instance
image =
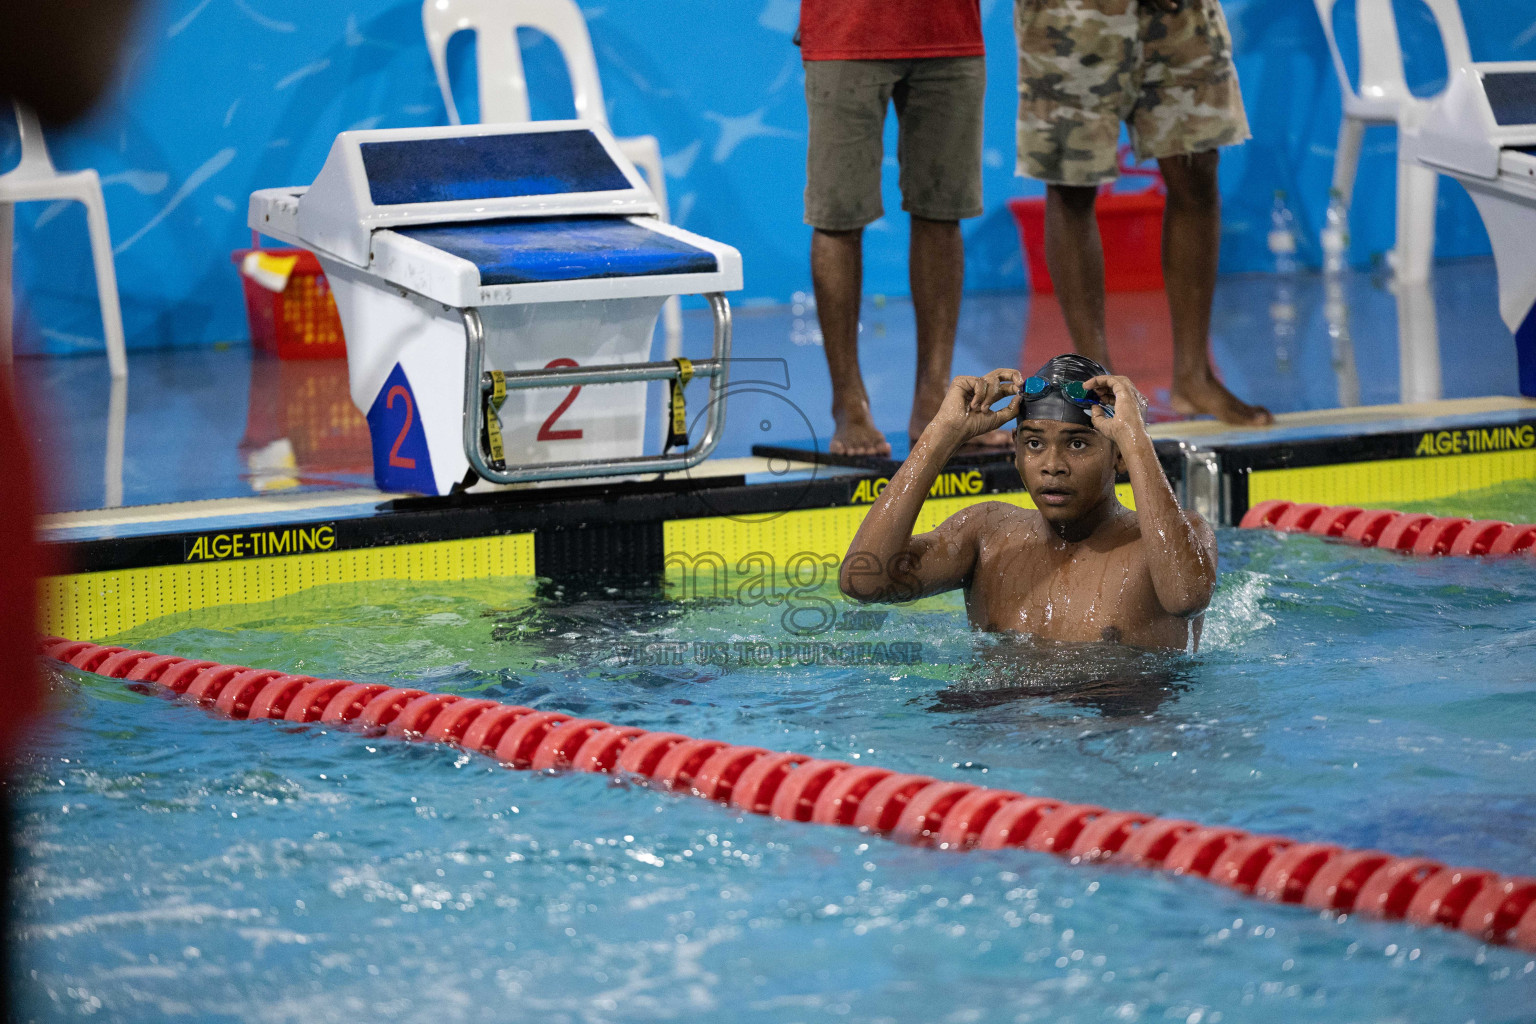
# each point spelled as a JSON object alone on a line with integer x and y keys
{"x": 941, "y": 559}
{"x": 1004, "y": 529}
{"x": 985, "y": 530}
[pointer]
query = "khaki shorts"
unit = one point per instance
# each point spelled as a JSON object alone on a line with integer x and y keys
{"x": 938, "y": 112}
{"x": 1087, "y": 65}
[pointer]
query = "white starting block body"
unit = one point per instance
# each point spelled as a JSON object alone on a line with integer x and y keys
{"x": 1482, "y": 132}
{"x": 531, "y": 249}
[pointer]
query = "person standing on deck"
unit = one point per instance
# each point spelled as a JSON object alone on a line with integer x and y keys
{"x": 926, "y": 58}
{"x": 1165, "y": 68}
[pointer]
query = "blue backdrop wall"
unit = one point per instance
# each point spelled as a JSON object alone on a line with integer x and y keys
{"x": 220, "y": 97}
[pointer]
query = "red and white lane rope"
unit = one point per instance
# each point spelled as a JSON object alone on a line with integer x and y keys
{"x": 1409, "y": 532}
{"x": 908, "y": 808}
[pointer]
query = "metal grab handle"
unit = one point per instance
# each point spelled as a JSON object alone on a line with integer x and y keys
{"x": 616, "y": 373}
{"x": 475, "y": 385}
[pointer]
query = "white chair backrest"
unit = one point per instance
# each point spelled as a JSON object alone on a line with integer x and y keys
{"x": 503, "y": 88}
{"x": 34, "y": 162}
{"x": 1383, "y": 87}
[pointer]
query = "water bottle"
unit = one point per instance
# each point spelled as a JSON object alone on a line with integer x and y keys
{"x": 1335, "y": 236}
{"x": 1342, "y": 343}
{"x": 805, "y": 329}
{"x": 1283, "y": 249}
{"x": 1282, "y": 235}
{"x": 1282, "y": 246}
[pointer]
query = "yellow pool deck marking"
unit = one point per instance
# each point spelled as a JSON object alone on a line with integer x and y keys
{"x": 99, "y": 605}
{"x": 96, "y": 605}
{"x": 1388, "y": 482}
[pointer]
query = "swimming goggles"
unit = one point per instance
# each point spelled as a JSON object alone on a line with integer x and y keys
{"x": 1072, "y": 390}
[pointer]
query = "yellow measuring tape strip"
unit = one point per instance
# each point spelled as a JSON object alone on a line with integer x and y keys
{"x": 493, "y": 403}
{"x": 677, "y": 436}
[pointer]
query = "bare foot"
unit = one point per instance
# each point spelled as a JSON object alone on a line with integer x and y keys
{"x": 856, "y": 434}
{"x": 926, "y": 403}
{"x": 992, "y": 441}
{"x": 1209, "y": 396}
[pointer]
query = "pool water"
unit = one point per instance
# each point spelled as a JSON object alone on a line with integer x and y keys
{"x": 175, "y": 865}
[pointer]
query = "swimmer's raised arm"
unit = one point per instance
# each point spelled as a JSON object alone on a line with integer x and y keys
{"x": 1180, "y": 546}
{"x": 885, "y": 562}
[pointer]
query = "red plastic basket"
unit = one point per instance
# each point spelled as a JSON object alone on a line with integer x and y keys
{"x": 1130, "y": 225}
{"x": 309, "y": 403}
{"x": 301, "y": 321}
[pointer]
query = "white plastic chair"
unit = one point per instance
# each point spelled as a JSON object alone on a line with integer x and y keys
{"x": 503, "y": 88}
{"x": 117, "y": 442}
{"x": 1418, "y": 344}
{"x": 1383, "y": 97}
{"x": 35, "y": 178}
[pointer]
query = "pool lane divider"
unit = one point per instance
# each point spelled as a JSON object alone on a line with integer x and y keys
{"x": 915, "y": 809}
{"x": 1408, "y": 532}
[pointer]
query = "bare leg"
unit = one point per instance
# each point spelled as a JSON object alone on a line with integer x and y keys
{"x": 1075, "y": 257}
{"x": 837, "y": 273}
{"x": 1191, "y": 246}
{"x": 936, "y": 269}
{"x": 936, "y": 266}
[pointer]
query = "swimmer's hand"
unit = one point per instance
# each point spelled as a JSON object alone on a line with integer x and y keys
{"x": 1128, "y": 420}
{"x": 967, "y": 410}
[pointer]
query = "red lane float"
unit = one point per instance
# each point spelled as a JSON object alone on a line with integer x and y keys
{"x": 1409, "y": 532}
{"x": 913, "y": 809}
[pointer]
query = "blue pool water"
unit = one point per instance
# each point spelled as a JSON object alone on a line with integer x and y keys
{"x": 178, "y": 866}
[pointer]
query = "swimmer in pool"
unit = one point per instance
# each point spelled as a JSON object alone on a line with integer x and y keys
{"x": 1081, "y": 568}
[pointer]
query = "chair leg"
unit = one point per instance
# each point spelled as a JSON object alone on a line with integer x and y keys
{"x": 1336, "y": 312}
{"x": 7, "y": 222}
{"x": 1417, "y": 192}
{"x": 1346, "y": 157}
{"x": 1418, "y": 344}
{"x": 117, "y": 434}
{"x": 106, "y": 286}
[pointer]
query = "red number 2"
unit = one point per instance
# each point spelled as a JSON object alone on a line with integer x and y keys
{"x": 547, "y": 431}
{"x": 395, "y": 458}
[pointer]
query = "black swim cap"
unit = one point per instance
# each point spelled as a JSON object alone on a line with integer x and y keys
{"x": 1052, "y": 404}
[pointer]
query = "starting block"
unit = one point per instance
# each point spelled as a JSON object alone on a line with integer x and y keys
{"x": 498, "y": 287}
{"x": 1482, "y": 132}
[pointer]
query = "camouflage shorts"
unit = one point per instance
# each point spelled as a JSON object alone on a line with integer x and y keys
{"x": 1087, "y": 65}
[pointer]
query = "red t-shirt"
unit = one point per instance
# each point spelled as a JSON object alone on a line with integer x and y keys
{"x": 889, "y": 29}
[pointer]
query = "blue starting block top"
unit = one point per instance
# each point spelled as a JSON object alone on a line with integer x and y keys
{"x": 516, "y": 251}
{"x": 472, "y": 167}
{"x": 489, "y": 215}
